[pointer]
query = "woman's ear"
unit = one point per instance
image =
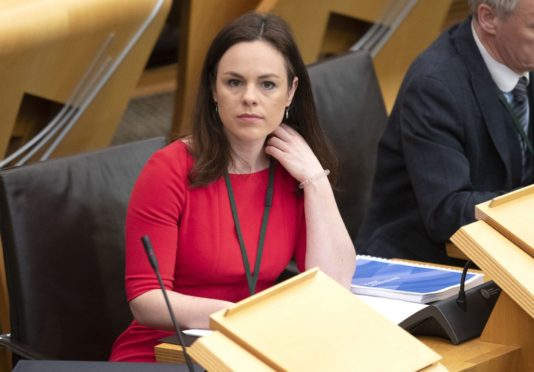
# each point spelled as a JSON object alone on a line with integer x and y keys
{"x": 213, "y": 88}
{"x": 292, "y": 90}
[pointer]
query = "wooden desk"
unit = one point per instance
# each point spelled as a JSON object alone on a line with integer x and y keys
{"x": 454, "y": 252}
{"x": 494, "y": 351}
{"x": 473, "y": 355}
{"x": 480, "y": 354}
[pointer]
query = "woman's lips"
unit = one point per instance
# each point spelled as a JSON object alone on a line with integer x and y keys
{"x": 249, "y": 117}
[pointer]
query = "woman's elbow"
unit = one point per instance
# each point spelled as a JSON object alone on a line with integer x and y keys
{"x": 144, "y": 310}
{"x": 138, "y": 313}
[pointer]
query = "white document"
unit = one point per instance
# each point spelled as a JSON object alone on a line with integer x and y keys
{"x": 199, "y": 332}
{"x": 394, "y": 310}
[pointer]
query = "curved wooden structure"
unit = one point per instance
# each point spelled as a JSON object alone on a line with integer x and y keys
{"x": 311, "y": 22}
{"x": 501, "y": 243}
{"x": 76, "y": 59}
{"x": 200, "y": 20}
{"x": 46, "y": 48}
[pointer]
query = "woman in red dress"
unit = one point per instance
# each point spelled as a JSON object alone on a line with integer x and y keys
{"x": 229, "y": 207}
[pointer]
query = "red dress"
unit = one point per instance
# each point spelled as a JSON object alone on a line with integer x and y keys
{"x": 193, "y": 234}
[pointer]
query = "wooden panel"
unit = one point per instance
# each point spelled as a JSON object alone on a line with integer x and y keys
{"x": 511, "y": 215}
{"x": 46, "y": 46}
{"x": 309, "y": 19}
{"x": 301, "y": 310}
{"x": 200, "y": 21}
{"x": 421, "y": 26}
{"x": 457, "y": 12}
{"x": 454, "y": 252}
{"x": 507, "y": 264}
{"x": 472, "y": 355}
{"x": 512, "y": 320}
{"x": 156, "y": 80}
{"x": 509, "y": 324}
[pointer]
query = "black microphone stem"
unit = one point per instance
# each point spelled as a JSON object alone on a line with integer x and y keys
{"x": 461, "y": 300}
{"x": 154, "y": 263}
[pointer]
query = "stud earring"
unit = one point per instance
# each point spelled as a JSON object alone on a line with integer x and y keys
{"x": 287, "y": 113}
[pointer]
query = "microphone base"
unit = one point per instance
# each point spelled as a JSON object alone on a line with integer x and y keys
{"x": 447, "y": 319}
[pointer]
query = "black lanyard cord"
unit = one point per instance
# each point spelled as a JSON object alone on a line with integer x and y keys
{"x": 252, "y": 279}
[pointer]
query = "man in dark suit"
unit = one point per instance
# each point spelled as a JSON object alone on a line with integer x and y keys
{"x": 454, "y": 136}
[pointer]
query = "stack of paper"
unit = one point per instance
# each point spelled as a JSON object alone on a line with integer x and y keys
{"x": 408, "y": 281}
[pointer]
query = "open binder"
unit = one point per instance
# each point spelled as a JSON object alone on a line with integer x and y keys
{"x": 501, "y": 243}
{"x": 308, "y": 323}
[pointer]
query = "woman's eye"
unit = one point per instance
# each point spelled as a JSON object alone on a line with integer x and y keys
{"x": 233, "y": 82}
{"x": 268, "y": 84}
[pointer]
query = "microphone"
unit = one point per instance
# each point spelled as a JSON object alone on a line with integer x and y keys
{"x": 461, "y": 300}
{"x": 154, "y": 263}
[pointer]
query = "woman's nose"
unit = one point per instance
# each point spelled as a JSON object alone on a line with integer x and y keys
{"x": 250, "y": 95}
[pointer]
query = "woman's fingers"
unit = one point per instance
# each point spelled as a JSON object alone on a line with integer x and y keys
{"x": 291, "y": 150}
{"x": 286, "y": 133}
{"x": 278, "y": 143}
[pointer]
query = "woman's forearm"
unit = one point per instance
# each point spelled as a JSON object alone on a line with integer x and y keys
{"x": 149, "y": 309}
{"x": 329, "y": 246}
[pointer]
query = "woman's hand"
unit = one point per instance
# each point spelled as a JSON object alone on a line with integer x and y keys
{"x": 291, "y": 150}
{"x": 328, "y": 244}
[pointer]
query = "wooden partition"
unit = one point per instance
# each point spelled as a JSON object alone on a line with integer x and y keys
{"x": 200, "y": 20}
{"x": 420, "y": 27}
{"x": 501, "y": 243}
{"x": 46, "y": 49}
{"x": 318, "y": 24}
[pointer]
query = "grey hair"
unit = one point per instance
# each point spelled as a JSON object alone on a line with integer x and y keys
{"x": 503, "y": 8}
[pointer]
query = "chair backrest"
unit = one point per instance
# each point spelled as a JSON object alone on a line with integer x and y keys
{"x": 352, "y": 114}
{"x": 62, "y": 228}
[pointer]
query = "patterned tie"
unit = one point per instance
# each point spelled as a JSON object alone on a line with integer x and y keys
{"x": 520, "y": 110}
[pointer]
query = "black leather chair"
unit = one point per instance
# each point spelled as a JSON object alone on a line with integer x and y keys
{"x": 62, "y": 228}
{"x": 352, "y": 114}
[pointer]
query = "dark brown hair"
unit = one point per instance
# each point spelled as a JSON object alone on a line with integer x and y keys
{"x": 209, "y": 145}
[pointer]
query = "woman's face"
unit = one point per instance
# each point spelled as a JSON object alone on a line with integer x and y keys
{"x": 251, "y": 91}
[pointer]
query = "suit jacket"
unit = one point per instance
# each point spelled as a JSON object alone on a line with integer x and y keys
{"x": 450, "y": 144}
